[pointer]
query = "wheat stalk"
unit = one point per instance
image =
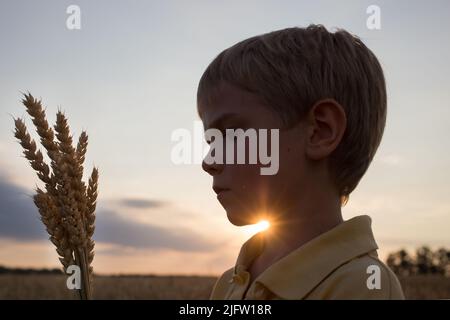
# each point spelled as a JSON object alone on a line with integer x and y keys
{"x": 67, "y": 208}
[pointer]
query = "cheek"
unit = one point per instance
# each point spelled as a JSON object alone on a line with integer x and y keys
{"x": 284, "y": 185}
{"x": 258, "y": 192}
{"x": 245, "y": 178}
{"x": 268, "y": 191}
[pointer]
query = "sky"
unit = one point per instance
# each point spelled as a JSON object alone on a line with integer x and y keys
{"x": 129, "y": 78}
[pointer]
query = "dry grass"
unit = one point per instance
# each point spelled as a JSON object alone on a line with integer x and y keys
{"x": 67, "y": 207}
{"x": 170, "y": 287}
{"x": 426, "y": 287}
{"x": 107, "y": 287}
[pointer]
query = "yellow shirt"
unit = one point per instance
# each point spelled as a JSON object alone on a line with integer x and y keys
{"x": 341, "y": 263}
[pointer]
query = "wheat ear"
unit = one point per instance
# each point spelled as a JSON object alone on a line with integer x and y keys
{"x": 67, "y": 208}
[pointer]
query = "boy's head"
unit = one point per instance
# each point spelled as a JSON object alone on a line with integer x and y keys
{"x": 324, "y": 91}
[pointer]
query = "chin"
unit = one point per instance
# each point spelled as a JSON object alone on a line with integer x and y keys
{"x": 238, "y": 218}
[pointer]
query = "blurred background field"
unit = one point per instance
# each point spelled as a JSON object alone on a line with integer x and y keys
{"x": 424, "y": 287}
{"x": 424, "y": 274}
{"x": 51, "y": 286}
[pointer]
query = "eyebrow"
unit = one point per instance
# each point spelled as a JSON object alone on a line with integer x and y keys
{"x": 219, "y": 121}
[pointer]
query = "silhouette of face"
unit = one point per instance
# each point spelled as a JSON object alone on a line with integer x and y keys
{"x": 246, "y": 194}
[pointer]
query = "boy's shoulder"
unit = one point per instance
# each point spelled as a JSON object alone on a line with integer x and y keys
{"x": 341, "y": 263}
{"x": 364, "y": 277}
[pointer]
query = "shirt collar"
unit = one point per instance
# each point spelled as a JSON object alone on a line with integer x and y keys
{"x": 296, "y": 274}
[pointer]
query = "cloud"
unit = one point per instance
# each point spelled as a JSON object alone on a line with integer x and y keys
{"x": 19, "y": 217}
{"x": 19, "y": 220}
{"x": 142, "y": 203}
{"x": 114, "y": 228}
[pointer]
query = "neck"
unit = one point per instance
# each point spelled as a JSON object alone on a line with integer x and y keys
{"x": 297, "y": 227}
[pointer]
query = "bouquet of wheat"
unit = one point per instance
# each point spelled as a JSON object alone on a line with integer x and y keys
{"x": 67, "y": 206}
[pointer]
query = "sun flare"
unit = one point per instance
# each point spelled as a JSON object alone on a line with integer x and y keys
{"x": 257, "y": 227}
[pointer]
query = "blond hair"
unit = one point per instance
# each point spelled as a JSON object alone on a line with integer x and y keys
{"x": 292, "y": 68}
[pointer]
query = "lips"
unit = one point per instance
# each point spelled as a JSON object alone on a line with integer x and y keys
{"x": 219, "y": 190}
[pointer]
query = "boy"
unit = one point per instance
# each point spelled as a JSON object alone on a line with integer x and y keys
{"x": 326, "y": 94}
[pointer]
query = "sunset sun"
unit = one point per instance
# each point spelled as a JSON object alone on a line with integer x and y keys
{"x": 257, "y": 227}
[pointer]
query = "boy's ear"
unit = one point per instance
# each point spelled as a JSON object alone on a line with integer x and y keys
{"x": 325, "y": 126}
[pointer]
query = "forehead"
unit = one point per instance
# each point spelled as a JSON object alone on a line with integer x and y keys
{"x": 227, "y": 99}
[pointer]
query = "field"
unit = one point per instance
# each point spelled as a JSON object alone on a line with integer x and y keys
{"x": 107, "y": 287}
{"x": 168, "y": 287}
{"x": 426, "y": 287}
